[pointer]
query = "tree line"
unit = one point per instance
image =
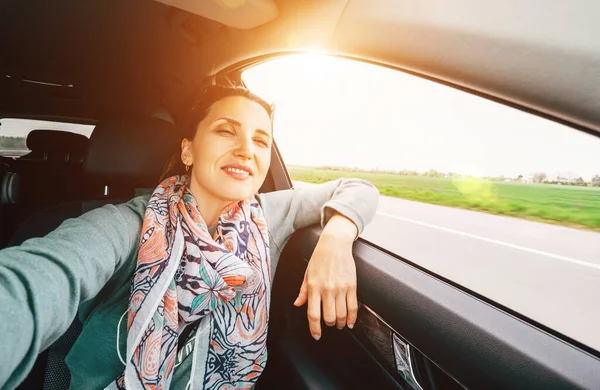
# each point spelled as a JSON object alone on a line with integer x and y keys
{"x": 12, "y": 143}
{"x": 539, "y": 177}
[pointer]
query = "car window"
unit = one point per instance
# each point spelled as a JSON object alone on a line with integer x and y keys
{"x": 14, "y": 131}
{"x": 500, "y": 201}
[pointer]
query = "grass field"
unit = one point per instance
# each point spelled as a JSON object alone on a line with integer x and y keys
{"x": 565, "y": 205}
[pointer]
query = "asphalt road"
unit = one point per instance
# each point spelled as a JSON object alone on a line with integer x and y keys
{"x": 546, "y": 272}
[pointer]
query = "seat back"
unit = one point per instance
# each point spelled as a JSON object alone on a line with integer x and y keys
{"x": 124, "y": 156}
{"x": 49, "y": 174}
{"x": 53, "y": 171}
{"x": 128, "y": 155}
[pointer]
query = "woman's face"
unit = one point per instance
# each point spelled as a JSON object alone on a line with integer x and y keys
{"x": 231, "y": 151}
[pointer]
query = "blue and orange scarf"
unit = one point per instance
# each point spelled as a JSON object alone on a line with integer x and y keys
{"x": 183, "y": 277}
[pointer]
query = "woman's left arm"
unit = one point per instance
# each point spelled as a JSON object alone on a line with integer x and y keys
{"x": 343, "y": 207}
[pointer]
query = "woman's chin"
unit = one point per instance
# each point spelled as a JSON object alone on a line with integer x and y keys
{"x": 237, "y": 194}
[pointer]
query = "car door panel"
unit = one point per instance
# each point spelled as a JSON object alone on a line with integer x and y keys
{"x": 461, "y": 337}
{"x": 303, "y": 363}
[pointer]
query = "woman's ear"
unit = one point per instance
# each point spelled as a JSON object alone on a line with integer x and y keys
{"x": 186, "y": 152}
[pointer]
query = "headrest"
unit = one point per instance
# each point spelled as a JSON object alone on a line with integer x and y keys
{"x": 132, "y": 150}
{"x": 9, "y": 188}
{"x": 57, "y": 145}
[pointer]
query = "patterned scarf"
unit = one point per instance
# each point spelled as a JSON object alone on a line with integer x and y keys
{"x": 184, "y": 275}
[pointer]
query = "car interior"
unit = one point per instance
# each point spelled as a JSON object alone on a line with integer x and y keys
{"x": 132, "y": 69}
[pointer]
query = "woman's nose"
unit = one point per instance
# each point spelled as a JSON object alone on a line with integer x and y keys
{"x": 244, "y": 148}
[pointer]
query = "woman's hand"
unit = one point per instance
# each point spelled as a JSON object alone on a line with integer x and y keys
{"x": 330, "y": 278}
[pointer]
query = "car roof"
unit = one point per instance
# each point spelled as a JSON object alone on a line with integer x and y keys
{"x": 140, "y": 55}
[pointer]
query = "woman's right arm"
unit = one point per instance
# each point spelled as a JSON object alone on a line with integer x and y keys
{"x": 44, "y": 280}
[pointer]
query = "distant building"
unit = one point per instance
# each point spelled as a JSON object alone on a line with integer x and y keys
{"x": 527, "y": 179}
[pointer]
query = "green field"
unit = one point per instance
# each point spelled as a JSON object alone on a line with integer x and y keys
{"x": 565, "y": 205}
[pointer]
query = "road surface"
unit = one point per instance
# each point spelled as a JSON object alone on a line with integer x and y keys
{"x": 546, "y": 272}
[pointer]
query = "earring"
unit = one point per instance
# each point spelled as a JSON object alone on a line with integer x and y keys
{"x": 187, "y": 168}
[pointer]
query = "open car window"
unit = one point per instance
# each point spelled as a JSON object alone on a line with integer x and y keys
{"x": 14, "y": 131}
{"x": 499, "y": 201}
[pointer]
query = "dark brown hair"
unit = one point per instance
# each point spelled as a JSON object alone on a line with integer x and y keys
{"x": 210, "y": 96}
{"x": 199, "y": 111}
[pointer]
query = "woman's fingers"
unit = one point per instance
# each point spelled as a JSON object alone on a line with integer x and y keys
{"x": 314, "y": 313}
{"x": 303, "y": 295}
{"x": 340, "y": 309}
{"x": 339, "y": 306}
{"x": 329, "y": 306}
{"x": 352, "y": 303}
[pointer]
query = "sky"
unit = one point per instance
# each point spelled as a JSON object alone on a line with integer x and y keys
{"x": 335, "y": 111}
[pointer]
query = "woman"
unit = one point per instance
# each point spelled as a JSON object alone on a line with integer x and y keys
{"x": 191, "y": 263}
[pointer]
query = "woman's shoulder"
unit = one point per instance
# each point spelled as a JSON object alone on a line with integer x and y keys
{"x": 121, "y": 217}
{"x": 136, "y": 205}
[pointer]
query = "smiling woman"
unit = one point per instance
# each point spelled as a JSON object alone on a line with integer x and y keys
{"x": 191, "y": 265}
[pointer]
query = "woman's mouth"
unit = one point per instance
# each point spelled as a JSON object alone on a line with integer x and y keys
{"x": 238, "y": 172}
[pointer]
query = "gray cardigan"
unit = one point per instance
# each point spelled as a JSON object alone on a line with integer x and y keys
{"x": 86, "y": 266}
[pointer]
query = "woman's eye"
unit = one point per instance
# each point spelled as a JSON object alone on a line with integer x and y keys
{"x": 223, "y": 131}
{"x": 261, "y": 142}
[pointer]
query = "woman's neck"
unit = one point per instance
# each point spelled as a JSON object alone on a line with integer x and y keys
{"x": 209, "y": 206}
